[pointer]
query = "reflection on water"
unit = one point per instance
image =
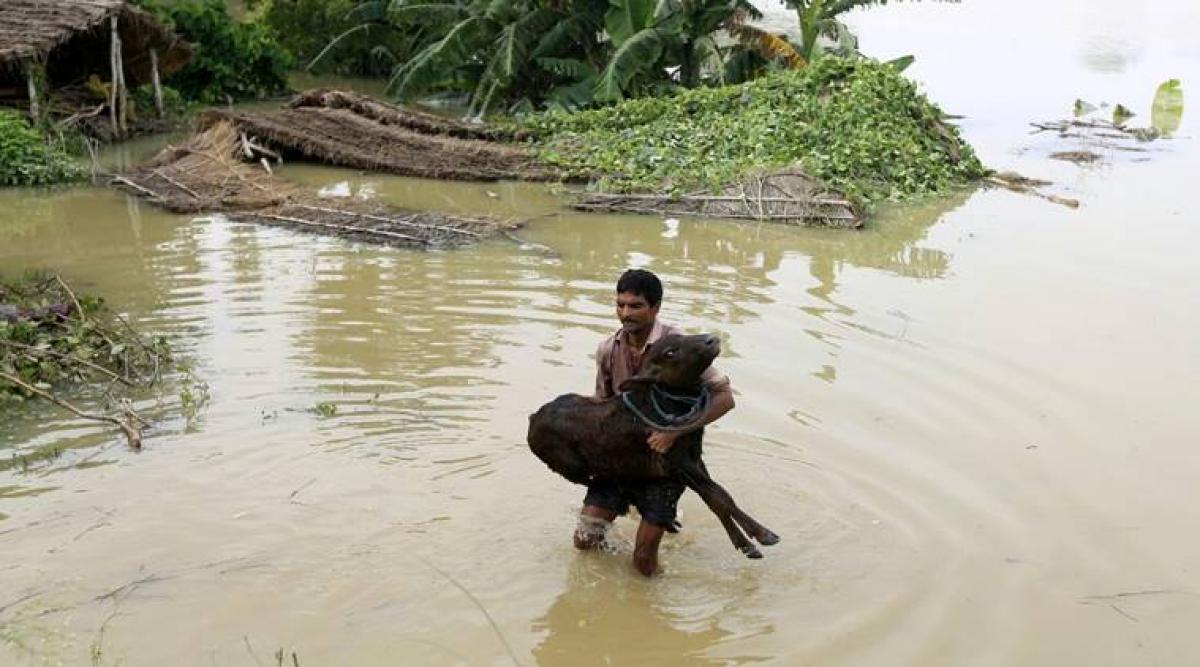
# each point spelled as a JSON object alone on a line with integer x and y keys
{"x": 602, "y": 620}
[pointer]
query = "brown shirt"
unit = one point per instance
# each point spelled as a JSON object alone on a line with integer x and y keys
{"x": 617, "y": 361}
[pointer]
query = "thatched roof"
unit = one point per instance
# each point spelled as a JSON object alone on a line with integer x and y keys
{"x": 33, "y": 29}
{"x": 207, "y": 174}
{"x": 787, "y": 196}
{"x": 350, "y": 130}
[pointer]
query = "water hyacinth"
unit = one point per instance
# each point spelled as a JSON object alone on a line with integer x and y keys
{"x": 858, "y": 125}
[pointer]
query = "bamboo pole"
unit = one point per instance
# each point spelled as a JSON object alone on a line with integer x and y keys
{"x": 33, "y": 100}
{"x": 158, "y": 101}
{"x": 123, "y": 90}
{"x": 114, "y": 48}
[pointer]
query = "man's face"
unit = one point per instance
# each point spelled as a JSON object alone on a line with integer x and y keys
{"x": 636, "y": 314}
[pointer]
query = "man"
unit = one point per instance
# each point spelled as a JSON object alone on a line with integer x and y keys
{"x": 619, "y": 357}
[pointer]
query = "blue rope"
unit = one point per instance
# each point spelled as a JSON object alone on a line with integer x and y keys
{"x": 697, "y": 408}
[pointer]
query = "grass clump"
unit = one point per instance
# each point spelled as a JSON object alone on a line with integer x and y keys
{"x": 857, "y": 125}
{"x": 27, "y": 158}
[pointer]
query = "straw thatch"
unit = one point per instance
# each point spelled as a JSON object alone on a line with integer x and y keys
{"x": 353, "y": 131}
{"x": 788, "y": 196}
{"x": 33, "y": 30}
{"x": 207, "y": 174}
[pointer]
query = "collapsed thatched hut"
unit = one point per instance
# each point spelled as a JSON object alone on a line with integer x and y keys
{"x": 209, "y": 173}
{"x": 352, "y": 130}
{"x": 83, "y": 53}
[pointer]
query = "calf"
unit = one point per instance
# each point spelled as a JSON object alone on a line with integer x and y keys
{"x": 583, "y": 438}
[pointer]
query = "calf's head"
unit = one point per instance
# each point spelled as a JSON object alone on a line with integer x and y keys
{"x": 677, "y": 361}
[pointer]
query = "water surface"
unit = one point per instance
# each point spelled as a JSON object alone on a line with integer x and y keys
{"x": 972, "y": 423}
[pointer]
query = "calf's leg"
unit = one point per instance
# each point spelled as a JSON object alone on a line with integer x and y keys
{"x": 721, "y": 504}
{"x": 761, "y": 534}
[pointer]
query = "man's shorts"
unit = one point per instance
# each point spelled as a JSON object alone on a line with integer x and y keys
{"x": 656, "y": 500}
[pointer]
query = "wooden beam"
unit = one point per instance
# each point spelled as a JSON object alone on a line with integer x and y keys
{"x": 33, "y": 100}
{"x": 158, "y": 101}
{"x": 114, "y": 49}
{"x": 122, "y": 89}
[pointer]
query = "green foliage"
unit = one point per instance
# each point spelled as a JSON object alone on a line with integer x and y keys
{"x": 1166, "y": 111}
{"x": 143, "y": 101}
{"x": 233, "y": 60}
{"x": 366, "y": 43}
{"x": 857, "y": 125}
{"x": 527, "y": 53}
{"x": 28, "y": 158}
{"x": 821, "y": 17}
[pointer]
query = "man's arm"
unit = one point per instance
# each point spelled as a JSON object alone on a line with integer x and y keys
{"x": 720, "y": 402}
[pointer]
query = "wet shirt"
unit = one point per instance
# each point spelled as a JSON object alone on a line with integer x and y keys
{"x": 617, "y": 361}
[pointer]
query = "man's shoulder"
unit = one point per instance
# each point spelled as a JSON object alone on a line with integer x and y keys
{"x": 607, "y": 343}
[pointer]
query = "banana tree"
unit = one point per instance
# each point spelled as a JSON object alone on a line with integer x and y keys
{"x": 650, "y": 37}
{"x": 490, "y": 49}
{"x": 820, "y": 17}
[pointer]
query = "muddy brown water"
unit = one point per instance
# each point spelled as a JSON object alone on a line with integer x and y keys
{"x": 973, "y": 424}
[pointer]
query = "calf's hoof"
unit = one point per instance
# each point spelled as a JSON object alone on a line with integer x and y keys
{"x": 751, "y": 552}
{"x": 767, "y": 538}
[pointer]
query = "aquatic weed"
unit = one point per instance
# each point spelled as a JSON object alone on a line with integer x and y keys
{"x": 858, "y": 125}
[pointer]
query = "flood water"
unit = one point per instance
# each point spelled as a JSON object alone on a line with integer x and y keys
{"x": 973, "y": 424}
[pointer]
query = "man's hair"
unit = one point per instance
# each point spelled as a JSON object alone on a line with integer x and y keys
{"x": 642, "y": 283}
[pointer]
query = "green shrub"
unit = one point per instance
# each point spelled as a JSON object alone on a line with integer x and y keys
{"x": 858, "y": 125}
{"x": 233, "y": 60}
{"x": 26, "y": 158}
{"x": 305, "y": 27}
{"x": 143, "y": 101}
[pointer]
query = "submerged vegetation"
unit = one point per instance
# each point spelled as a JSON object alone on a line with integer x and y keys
{"x": 55, "y": 341}
{"x": 29, "y": 157}
{"x": 857, "y": 125}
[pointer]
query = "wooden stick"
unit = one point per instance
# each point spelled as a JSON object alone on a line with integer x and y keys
{"x": 125, "y": 181}
{"x": 122, "y": 88}
{"x": 341, "y": 228}
{"x": 132, "y": 432}
{"x": 390, "y": 220}
{"x": 37, "y": 350}
{"x": 115, "y": 45}
{"x": 78, "y": 308}
{"x": 158, "y": 100}
{"x": 704, "y": 198}
{"x": 246, "y": 146}
{"x": 181, "y": 186}
{"x": 33, "y": 100}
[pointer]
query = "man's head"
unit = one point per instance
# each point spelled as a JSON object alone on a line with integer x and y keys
{"x": 639, "y": 294}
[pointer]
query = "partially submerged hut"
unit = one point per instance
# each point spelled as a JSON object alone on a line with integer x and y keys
{"x": 83, "y": 56}
{"x": 210, "y": 174}
{"x": 788, "y": 196}
{"x": 352, "y": 130}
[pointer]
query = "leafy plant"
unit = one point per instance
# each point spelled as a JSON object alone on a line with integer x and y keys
{"x": 233, "y": 60}
{"x": 821, "y": 17}
{"x": 341, "y": 36}
{"x": 27, "y": 157}
{"x": 858, "y": 125}
{"x": 1166, "y": 111}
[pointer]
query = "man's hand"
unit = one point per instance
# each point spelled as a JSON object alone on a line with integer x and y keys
{"x": 661, "y": 441}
